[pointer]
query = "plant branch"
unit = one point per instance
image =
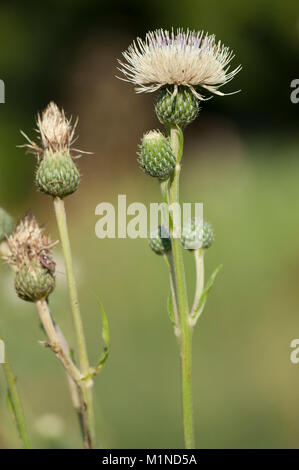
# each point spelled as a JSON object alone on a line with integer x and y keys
{"x": 199, "y": 286}
{"x": 181, "y": 289}
{"x": 169, "y": 262}
{"x": 62, "y": 352}
{"x": 82, "y": 350}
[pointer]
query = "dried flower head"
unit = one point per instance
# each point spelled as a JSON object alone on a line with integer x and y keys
{"x": 56, "y": 175}
{"x": 30, "y": 258}
{"x": 27, "y": 242}
{"x": 56, "y": 132}
{"x": 187, "y": 58}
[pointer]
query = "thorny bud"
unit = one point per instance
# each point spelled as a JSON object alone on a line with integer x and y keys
{"x": 159, "y": 241}
{"x": 197, "y": 234}
{"x": 177, "y": 108}
{"x": 156, "y": 156}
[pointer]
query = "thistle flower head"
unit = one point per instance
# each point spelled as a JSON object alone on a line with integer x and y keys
{"x": 56, "y": 132}
{"x": 187, "y": 58}
{"x": 57, "y": 174}
{"x": 30, "y": 258}
{"x": 27, "y": 242}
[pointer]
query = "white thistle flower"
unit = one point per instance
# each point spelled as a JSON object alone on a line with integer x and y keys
{"x": 178, "y": 58}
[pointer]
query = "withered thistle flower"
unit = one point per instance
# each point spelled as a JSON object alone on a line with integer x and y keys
{"x": 57, "y": 174}
{"x": 29, "y": 255}
{"x": 182, "y": 58}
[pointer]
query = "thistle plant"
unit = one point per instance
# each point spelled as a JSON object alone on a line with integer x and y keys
{"x": 180, "y": 65}
{"x": 57, "y": 175}
{"x": 29, "y": 254}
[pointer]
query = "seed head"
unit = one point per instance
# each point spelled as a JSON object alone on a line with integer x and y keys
{"x": 27, "y": 242}
{"x": 56, "y": 132}
{"x": 56, "y": 174}
{"x": 187, "y": 58}
{"x": 29, "y": 256}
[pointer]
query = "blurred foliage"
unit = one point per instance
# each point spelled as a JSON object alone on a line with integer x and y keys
{"x": 241, "y": 160}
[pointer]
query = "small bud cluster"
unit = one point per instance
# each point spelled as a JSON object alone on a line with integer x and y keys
{"x": 31, "y": 259}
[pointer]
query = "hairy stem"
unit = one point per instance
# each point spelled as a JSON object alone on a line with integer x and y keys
{"x": 183, "y": 308}
{"x": 82, "y": 350}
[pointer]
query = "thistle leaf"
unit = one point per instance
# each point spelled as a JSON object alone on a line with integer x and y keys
{"x": 106, "y": 339}
{"x": 171, "y": 311}
{"x": 204, "y": 296}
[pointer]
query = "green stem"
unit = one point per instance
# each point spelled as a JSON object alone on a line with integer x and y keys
{"x": 181, "y": 290}
{"x": 199, "y": 286}
{"x": 16, "y": 404}
{"x": 169, "y": 262}
{"x": 83, "y": 358}
{"x": 51, "y": 332}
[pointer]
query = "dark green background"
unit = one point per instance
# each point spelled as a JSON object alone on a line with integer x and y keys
{"x": 241, "y": 159}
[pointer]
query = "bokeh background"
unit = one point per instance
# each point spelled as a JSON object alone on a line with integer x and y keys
{"x": 241, "y": 160}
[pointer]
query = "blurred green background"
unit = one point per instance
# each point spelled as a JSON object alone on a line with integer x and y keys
{"x": 241, "y": 159}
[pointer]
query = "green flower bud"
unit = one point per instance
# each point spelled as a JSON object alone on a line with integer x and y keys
{"x": 181, "y": 108}
{"x": 156, "y": 156}
{"x": 34, "y": 282}
{"x": 6, "y": 224}
{"x": 57, "y": 174}
{"x": 159, "y": 241}
{"x": 197, "y": 235}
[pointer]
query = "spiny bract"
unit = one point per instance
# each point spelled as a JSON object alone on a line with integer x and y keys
{"x": 197, "y": 234}
{"x": 180, "y": 108}
{"x": 159, "y": 241}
